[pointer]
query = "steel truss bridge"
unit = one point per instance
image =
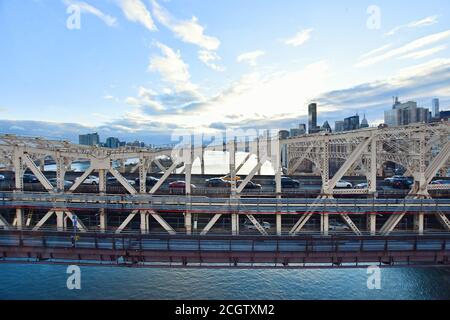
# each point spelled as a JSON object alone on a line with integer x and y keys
{"x": 422, "y": 149}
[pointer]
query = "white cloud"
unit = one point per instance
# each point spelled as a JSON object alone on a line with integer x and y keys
{"x": 189, "y": 31}
{"x": 209, "y": 58}
{"x": 423, "y": 53}
{"x": 136, "y": 11}
{"x": 146, "y": 98}
{"x": 428, "y": 21}
{"x": 172, "y": 69}
{"x": 377, "y": 50}
{"x": 300, "y": 38}
{"x": 87, "y": 8}
{"x": 408, "y": 48}
{"x": 250, "y": 57}
{"x": 269, "y": 97}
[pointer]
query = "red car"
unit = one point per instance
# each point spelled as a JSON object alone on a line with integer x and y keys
{"x": 179, "y": 185}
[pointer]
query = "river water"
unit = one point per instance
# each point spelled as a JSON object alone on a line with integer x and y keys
{"x": 49, "y": 282}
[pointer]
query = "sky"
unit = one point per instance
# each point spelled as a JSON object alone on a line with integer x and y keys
{"x": 143, "y": 69}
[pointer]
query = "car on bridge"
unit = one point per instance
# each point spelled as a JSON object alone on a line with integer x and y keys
{"x": 30, "y": 178}
{"x": 344, "y": 184}
{"x": 389, "y": 181}
{"x": 113, "y": 181}
{"x": 250, "y": 185}
{"x": 179, "y": 185}
{"x": 288, "y": 182}
{"x": 440, "y": 182}
{"x": 217, "y": 183}
{"x": 250, "y": 226}
{"x": 149, "y": 181}
{"x": 54, "y": 181}
{"x": 363, "y": 185}
{"x": 93, "y": 180}
{"x": 338, "y": 226}
{"x": 402, "y": 183}
{"x": 2, "y": 177}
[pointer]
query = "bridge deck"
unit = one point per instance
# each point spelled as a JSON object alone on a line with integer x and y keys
{"x": 305, "y": 251}
{"x": 179, "y": 203}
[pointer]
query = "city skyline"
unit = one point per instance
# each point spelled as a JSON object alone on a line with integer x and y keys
{"x": 153, "y": 68}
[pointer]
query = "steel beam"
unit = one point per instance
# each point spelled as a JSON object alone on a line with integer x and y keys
{"x": 163, "y": 178}
{"x": 250, "y": 176}
{"x": 19, "y": 221}
{"x": 79, "y": 181}
{"x": 127, "y": 221}
{"x": 210, "y": 224}
{"x": 124, "y": 182}
{"x": 145, "y": 222}
{"x": 299, "y": 161}
{"x": 258, "y": 226}
{"x": 80, "y": 224}
{"x": 4, "y": 224}
{"x": 38, "y": 173}
{"x": 163, "y": 223}
{"x": 348, "y": 163}
{"x": 43, "y": 220}
{"x": 239, "y": 167}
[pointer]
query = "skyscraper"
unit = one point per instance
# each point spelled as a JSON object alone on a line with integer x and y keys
{"x": 339, "y": 126}
{"x": 312, "y": 118}
{"x": 302, "y": 128}
{"x": 435, "y": 108}
{"x": 364, "y": 123}
{"x": 351, "y": 123}
{"x": 112, "y": 143}
{"x": 90, "y": 139}
{"x": 405, "y": 113}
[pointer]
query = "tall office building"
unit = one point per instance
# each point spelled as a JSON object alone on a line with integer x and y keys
{"x": 435, "y": 108}
{"x": 339, "y": 126}
{"x": 302, "y": 128}
{"x": 112, "y": 143}
{"x": 405, "y": 113}
{"x": 90, "y": 139}
{"x": 351, "y": 123}
{"x": 295, "y": 132}
{"x": 312, "y": 118}
{"x": 364, "y": 123}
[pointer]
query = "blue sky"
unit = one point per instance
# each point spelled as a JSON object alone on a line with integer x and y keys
{"x": 139, "y": 69}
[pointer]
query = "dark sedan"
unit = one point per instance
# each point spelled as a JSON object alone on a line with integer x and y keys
{"x": 402, "y": 183}
{"x": 149, "y": 181}
{"x": 217, "y": 183}
{"x": 30, "y": 178}
{"x": 179, "y": 185}
{"x": 250, "y": 185}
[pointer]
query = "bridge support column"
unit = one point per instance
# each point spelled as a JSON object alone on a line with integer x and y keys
{"x": 278, "y": 224}
{"x": 143, "y": 175}
{"x": 419, "y": 222}
{"x": 103, "y": 220}
{"x": 324, "y": 225}
{"x": 145, "y": 222}
{"x": 60, "y": 222}
{"x": 102, "y": 181}
{"x": 60, "y": 172}
{"x": 188, "y": 222}
{"x": 19, "y": 219}
{"x": 372, "y": 223}
{"x": 235, "y": 224}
